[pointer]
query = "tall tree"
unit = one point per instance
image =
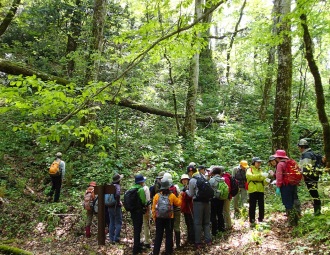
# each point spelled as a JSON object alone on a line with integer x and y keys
{"x": 281, "y": 122}
{"x": 320, "y": 100}
{"x": 9, "y": 17}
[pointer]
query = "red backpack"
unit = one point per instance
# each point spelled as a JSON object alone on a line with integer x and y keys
{"x": 292, "y": 174}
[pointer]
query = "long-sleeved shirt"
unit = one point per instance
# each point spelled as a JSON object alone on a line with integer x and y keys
{"x": 280, "y": 169}
{"x": 173, "y": 200}
{"x": 142, "y": 194}
{"x": 256, "y": 181}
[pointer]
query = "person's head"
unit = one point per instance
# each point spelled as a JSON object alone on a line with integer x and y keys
{"x": 303, "y": 144}
{"x": 201, "y": 170}
{"x": 58, "y": 155}
{"x": 117, "y": 177}
{"x": 92, "y": 184}
{"x": 280, "y": 155}
{"x": 218, "y": 170}
{"x": 160, "y": 176}
{"x": 164, "y": 186}
{"x": 272, "y": 161}
{"x": 244, "y": 164}
{"x": 192, "y": 164}
{"x": 191, "y": 170}
{"x": 139, "y": 179}
{"x": 256, "y": 161}
{"x": 184, "y": 179}
{"x": 168, "y": 177}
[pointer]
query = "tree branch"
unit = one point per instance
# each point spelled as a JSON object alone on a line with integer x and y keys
{"x": 9, "y": 17}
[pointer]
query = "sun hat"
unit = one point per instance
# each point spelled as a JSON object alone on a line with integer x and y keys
{"x": 58, "y": 154}
{"x": 280, "y": 154}
{"x": 117, "y": 177}
{"x": 139, "y": 178}
{"x": 244, "y": 163}
{"x": 256, "y": 159}
{"x": 184, "y": 176}
{"x": 302, "y": 142}
{"x": 93, "y": 184}
{"x": 160, "y": 175}
{"x": 165, "y": 184}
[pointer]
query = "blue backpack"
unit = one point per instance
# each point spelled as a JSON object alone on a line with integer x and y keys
{"x": 110, "y": 200}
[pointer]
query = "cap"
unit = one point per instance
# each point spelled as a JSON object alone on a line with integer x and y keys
{"x": 302, "y": 142}
{"x": 192, "y": 164}
{"x": 256, "y": 159}
{"x": 160, "y": 175}
{"x": 58, "y": 154}
{"x": 271, "y": 158}
{"x": 201, "y": 167}
{"x": 139, "y": 178}
{"x": 280, "y": 154}
{"x": 244, "y": 163}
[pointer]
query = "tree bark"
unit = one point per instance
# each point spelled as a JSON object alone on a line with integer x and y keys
{"x": 281, "y": 123}
{"x": 9, "y": 17}
{"x": 14, "y": 69}
{"x": 320, "y": 100}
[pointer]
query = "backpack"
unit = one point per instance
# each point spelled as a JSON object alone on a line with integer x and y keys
{"x": 89, "y": 198}
{"x": 96, "y": 205}
{"x": 173, "y": 190}
{"x": 164, "y": 208}
{"x": 318, "y": 161}
{"x": 205, "y": 191}
{"x": 132, "y": 201}
{"x": 292, "y": 172}
{"x": 54, "y": 169}
{"x": 110, "y": 199}
{"x": 222, "y": 190}
{"x": 233, "y": 186}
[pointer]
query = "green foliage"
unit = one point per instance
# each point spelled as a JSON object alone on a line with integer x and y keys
{"x": 5, "y": 249}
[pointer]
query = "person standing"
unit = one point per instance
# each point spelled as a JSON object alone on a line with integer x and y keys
{"x": 226, "y": 203}
{"x": 201, "y": 210}
{"x": 311, "y": 175}
{"x": 57, "y": 179}
{"x": 154, "y": 189}
{"x": 146, "y": 217}
{"x": 137, "y": 214}
{"x": 256, "y": 180}
{"x": 88, "y": 206}
{"x": 239, "y": 173}
{"x": 217, "y": 219}
{"x": 115, "y": 212}
{"x": 165, "y": 223}
{"x": 187, "y": 209}
{"x": 284, "y": 188}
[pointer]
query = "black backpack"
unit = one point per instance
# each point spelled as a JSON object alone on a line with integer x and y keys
{"x": 132, "y": 201}
{"x": 233, "y": 186}
{"x": 205, "y": 191}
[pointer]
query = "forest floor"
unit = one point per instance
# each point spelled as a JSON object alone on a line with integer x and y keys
{"x": 271, "y": 237}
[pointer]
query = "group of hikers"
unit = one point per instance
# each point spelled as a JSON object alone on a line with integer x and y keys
{"x": 203, "y": 198}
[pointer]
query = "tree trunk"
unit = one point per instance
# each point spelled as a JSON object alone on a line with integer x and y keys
{"x": 281, "y": 123}
{"x": 320, "y": 100}
{"x": 269, "y": 73}
{"x": 9, "y": 17}
{"x": 189, "y": 127}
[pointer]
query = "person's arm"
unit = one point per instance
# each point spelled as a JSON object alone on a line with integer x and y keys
{"x": 279, "y": 174}
{"x": 254, "y": 176}
{"x": 176, "y": 200}
{"x": 192, "y": 187}
{"x": 153, "y": 208}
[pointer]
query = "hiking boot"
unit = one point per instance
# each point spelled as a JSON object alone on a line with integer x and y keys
{"x": 88, "y": 231}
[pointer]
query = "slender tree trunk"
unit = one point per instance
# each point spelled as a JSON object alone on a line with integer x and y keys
{"x": 190, "y": 120}
{"x": 281, "y": 123}
{"x": 73, "y": 35}
{"x": 320, "y": 100}
{"x": 269, "y": 74}
{"x": 9, "y": 17}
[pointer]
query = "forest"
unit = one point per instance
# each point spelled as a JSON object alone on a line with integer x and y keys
{"x": 144, "y": 86}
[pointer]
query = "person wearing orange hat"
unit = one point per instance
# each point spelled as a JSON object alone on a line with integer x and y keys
{"x": 239, "y": 173}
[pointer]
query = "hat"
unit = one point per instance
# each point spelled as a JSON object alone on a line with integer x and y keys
{"x": 139, "y": 178}
{"x": 244, "y": 163}
{"x": 192, "y": 164}
{"x": 184, "y": 176}
{"x": 302, "y": 142}
{"x": 256, "y": 159}
{"x": 271, "y": 158}
{"x": 210, "y": 168}
{"x": 165, "y": 184}
{"x": 93, "y": 184}
{"x": 168, "y": 177}
{"x": 160, "y": 175}
{"x": 117, "y": 177}
{"x": 280, "y": 154}
{"x": 58, "y": 154}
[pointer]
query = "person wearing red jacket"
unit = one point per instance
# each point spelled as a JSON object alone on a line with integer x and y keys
{"x": 226, "y": 204}
{"x": 187, "y": 209}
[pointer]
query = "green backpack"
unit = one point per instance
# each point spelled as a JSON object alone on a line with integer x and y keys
{"x": 222, "y": 191}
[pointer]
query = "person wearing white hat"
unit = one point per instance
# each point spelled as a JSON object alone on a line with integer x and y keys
{"x": 239, "y": 173}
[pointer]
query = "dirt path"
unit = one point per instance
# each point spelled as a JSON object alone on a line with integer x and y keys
{"x": 272, "y": 237}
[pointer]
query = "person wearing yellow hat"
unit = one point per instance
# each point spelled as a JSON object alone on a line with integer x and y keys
{"x": 239, "y": 173}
